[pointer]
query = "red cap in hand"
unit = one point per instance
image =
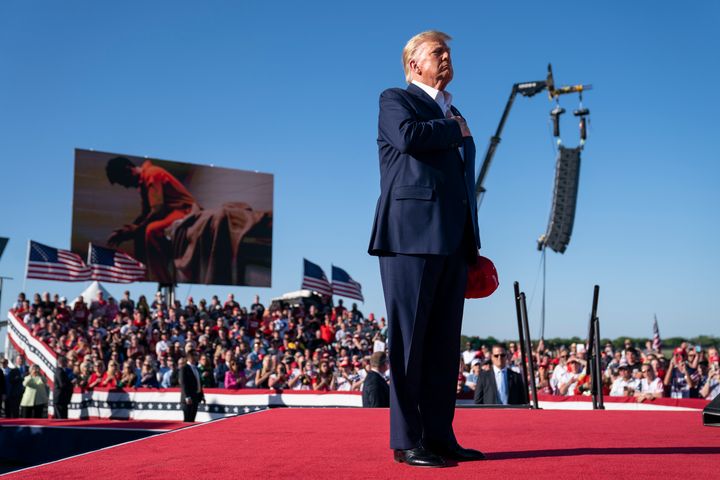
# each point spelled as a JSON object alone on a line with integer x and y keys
{"x": 482, "y": 279}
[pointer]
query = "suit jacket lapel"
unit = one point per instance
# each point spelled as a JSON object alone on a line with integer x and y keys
{"x": 495, "y": 397}
{"x": 420, "y": 94}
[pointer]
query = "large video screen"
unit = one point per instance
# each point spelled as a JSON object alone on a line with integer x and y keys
{"x": 188, "y": 223}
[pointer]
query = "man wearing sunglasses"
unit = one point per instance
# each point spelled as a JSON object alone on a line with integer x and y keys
{"x": 500, "y": 385}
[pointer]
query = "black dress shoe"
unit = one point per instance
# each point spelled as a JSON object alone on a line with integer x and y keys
{"x": 458, "y": 453}
{"x": 418, "y": 457}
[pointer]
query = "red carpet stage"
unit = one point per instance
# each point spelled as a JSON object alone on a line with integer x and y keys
{"x": 352, "y": 443}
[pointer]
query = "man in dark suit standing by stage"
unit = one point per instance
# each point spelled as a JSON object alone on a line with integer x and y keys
{"x": 62, "y": 389}
{"x": 14, "y": 383}
{"x": 500, "y": 385}
{"x": 191, "y": 392}
{"x": 376, "y": 392}
{"x": 425, "y": 234}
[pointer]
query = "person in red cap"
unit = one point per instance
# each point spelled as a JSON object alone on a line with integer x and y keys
{"x": 679, "y": 375}
{"x": 542, "y": 377}
{"x": 345, "y": 378}
{"x": 714, "y": 359}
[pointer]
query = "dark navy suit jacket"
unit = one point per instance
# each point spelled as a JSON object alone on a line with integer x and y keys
{"x": 376, "y": 392}
{"x": 486, "y": 388}
{"x": 426, "y": 188}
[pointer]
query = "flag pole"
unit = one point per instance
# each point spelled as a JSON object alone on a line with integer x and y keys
{"x": 27, "y": 265}
{"x": 88, "y": 261}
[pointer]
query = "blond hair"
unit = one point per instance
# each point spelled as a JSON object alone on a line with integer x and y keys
{"x": 411, "y": 48}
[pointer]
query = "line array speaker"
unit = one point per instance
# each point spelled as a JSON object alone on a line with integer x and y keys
{"x": 562, "y": 215}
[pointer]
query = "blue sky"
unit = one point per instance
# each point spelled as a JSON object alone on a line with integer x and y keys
{"x": 291, "y": 88}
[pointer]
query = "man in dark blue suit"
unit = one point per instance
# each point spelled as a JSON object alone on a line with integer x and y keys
{"x": 375, "y": 392}
{"x": 425, "y": 234}
{"x": 500, "y": 385}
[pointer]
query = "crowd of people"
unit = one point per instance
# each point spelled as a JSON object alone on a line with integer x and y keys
{"x": 143, "y": 344}
{"x": 692, "y": 371}
{"x": 136, "y": 343}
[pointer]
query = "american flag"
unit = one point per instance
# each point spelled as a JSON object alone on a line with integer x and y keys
{"x": 657, "y": 343}
{"x": 48, "y": 263}
{"x": 314, "y": 278}
{"x": 344, "y": 286}
{"x": 110, "y": 265}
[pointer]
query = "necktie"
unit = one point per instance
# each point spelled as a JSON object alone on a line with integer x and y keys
{"x": 449, "y": 113}
{"x": 502, "y": 386}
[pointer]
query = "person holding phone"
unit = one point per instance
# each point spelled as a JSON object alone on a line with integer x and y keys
{"x": 711, "y": 389}
{"x": 679, "y": 375}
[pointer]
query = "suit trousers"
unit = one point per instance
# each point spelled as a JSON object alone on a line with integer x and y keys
{"x": 12, "y": 407}
{"x": 189, "y": 411}
{"x": 36, "y": 411}
{"x": 60, "y": 410}
{"x": 424, "y": 297}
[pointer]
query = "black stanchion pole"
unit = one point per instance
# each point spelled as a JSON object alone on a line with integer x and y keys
{"x": 596, "y": 368}
{"x": 531, "y": 363}
{"x": 591, "y": 352}
{"x": 596, "y": 334}
{"x": 600, "y": 404}
{"x": 521, "y": 342}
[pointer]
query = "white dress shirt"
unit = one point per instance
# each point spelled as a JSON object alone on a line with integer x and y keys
{"x": 441, "y": 97}
{"x": 502, "y": 384}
